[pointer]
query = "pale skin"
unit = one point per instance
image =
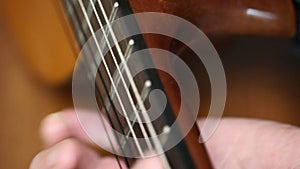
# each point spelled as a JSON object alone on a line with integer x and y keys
{"x": 237, "y": 143}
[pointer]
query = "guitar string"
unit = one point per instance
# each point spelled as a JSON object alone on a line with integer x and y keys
{"x": 106, "y": 130}
{"x": 108, "y": 100}
{"x": 74, "y": 21}
{"x": 150, "y": 126}
{"x": 90, "y": 13}
{"x": 111, "y": 79}
{"x": 127, "y": 54}
{"x": 128, "y": 51}
{"x": 78, "y": 20}
{"x": 146, "y": 137}
{"x": 116, "y": 116}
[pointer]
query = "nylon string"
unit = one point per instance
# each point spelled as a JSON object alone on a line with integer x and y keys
{"x": 111, "y": 79}
{"x": 150, "y": 126}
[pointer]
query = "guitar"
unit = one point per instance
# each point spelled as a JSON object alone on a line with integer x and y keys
{"x": 252, "y": 17}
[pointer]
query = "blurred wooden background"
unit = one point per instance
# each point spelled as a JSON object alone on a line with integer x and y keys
{"x": 23, "y": 103}
{"x": 263, "y": 78}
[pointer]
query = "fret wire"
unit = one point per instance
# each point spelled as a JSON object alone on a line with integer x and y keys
{"x": 145, "y": 92}
{"x": 112, "y": 17}
{"x": 90, "y": 13}
{"x": 76, "y": 28}
{"x": 118, "y": 78}
{"x": 129, "y": 49}
{"x": 110, "y": 118}
{"x": 150, "y": 126}
{"x": 113, "y": 12}
{"x": 105, "y": 88}
{"x": 107, "y": 103}
{"x": 101, "y": 117}
{"x": 110, "y": 121}
{"x": 109, "y": 98}
{"x": 125, "y": 159}
{"x": 111, "y": 79}
{"x": 145, "y": 134}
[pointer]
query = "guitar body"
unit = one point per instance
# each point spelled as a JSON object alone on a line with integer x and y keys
{"x": 44, "y": 37}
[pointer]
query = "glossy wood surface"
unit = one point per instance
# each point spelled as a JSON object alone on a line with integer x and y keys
{"x": 229, "y": 17}
{"x": 38, "y": 28}
{"x": 233, "y": 17}
{"x": 30, "y": 30}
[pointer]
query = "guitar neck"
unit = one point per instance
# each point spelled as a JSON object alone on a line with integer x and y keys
{"x": 188, "y": 153}
{"x": 215, "y": 19}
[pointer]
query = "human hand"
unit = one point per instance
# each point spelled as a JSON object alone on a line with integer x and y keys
{"x": 237, "y": 143}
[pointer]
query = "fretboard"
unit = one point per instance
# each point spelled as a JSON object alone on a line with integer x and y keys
{"x": 86, "y": 18}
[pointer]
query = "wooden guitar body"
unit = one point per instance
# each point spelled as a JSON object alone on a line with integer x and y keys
{"x": 39, "y": 28}
{"x": 41, "y": 32}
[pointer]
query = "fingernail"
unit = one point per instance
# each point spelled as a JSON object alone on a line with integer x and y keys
{"x": 53, "y": 118}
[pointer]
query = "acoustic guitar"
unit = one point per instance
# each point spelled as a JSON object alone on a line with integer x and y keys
{"x": 52, "y": 33}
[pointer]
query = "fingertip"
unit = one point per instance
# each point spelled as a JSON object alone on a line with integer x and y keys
{"x": 35, "y": 161}
{"x": 66, "y": 155}
{"x": 52, "y": 129}
{"x": 63, "y": 155}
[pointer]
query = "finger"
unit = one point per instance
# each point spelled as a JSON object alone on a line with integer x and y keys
{"x": 61, "y": 125}
{"x": 70, "y": 154}
{"x": 244, "y": 143}
{"x": 151, "y": 161}
{"x": 148, "y": 163}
